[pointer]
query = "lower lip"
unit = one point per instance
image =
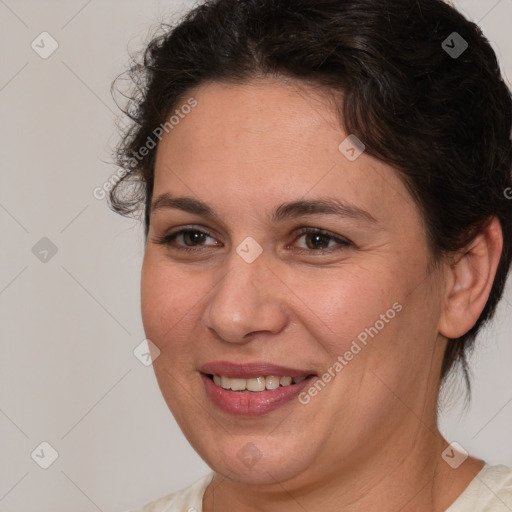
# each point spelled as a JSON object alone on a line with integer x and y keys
{"x": 248, "y": 403}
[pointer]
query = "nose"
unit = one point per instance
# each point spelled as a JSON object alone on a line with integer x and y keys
{"x": 249, "y": 298}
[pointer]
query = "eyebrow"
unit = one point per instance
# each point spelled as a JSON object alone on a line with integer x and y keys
{"x": 285, "y": 211}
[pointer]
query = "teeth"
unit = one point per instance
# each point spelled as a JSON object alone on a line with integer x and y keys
{"x": 238, "y": 384}
{"x": 272, "y": 382}
{"x": 255, "y": 384}
{"x": 225, "y": 382}
{"x": 285, "y": 381}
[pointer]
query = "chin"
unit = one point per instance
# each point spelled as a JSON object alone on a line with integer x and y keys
{"x": 256, "y": 460}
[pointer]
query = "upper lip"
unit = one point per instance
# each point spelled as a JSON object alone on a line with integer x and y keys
{"x": 251, "y": 370}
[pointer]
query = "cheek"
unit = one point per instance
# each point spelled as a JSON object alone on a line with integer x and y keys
{"x": 167, "y": 301}
{"x": 349, "y": 306}
{"x": 335, "y": 306}
{"x": 366, "y": 323}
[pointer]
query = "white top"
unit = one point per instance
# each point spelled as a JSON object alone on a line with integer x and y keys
{"x": 489, "y": 491}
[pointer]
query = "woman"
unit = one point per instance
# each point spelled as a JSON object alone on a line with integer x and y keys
{"x": 324, "y": 187}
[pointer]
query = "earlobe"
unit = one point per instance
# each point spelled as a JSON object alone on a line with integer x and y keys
{"x": 470, "y": 275}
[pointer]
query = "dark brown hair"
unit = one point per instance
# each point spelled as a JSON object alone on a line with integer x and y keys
{"x": 442, "y": 120}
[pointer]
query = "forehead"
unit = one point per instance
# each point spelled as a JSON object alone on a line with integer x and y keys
{"x": 263, "y": 113}
{"x": 269, "y": 140}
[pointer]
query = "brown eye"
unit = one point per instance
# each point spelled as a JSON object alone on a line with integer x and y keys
{"x": 318, "y": 240}
{"x": 192, "y": 238}
{"x": 186, "y": 239}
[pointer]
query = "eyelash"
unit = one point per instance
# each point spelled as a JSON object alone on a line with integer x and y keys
{"x": 342, "y": 242}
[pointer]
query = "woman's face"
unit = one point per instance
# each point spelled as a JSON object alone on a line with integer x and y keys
{"x": 247, "y": 294}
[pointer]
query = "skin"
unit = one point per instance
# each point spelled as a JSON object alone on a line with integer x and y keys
{"x": 369, "y": 439}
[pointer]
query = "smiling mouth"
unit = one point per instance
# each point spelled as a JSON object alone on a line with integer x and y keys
{"x": 254, "y": 389}
{"x": 255, "y": 384}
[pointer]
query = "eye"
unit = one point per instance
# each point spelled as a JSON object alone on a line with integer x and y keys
{"x": 186, "y": 239}
{"x": 318, "y": 240}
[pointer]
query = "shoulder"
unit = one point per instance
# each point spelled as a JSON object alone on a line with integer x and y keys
{"x": 189, "y": 499}
{"x": 489, "y": 491}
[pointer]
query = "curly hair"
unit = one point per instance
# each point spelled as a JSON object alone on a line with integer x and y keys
{"x": 442, "y": 120}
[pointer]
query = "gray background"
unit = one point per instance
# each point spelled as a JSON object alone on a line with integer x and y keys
{"x": 70, "y": 324}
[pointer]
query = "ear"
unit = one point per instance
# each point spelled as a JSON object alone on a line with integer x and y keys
{"x": 469, "y": 278}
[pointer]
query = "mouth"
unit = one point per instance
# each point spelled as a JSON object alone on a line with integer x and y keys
{"x": 253, "y": 389}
